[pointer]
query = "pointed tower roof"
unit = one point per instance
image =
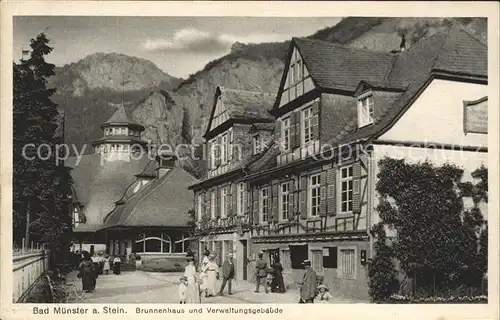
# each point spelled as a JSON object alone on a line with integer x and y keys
{"x": 122, "y": 117}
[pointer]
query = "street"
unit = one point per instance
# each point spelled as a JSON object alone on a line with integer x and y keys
{"x": 152, "y": 287}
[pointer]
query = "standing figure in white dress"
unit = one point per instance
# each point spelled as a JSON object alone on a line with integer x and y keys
{"x": 193, "y": 282}
{"x": 211, "y": 274}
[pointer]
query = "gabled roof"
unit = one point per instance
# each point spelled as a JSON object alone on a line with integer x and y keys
{"x": 162, "y": 202}
{"x": 251, "y": 106}
{"x": 121, "y": 117}
{"x": 99, "y": 184}
{"x": 454, "y": 53}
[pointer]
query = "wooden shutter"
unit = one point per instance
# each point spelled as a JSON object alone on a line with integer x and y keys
{"x": 234, "y": 200}
{"x": 230, "y": 148}
{"x": 295, "y": 122}
{"x": 204, "y": 204}
{"x": 218, "y": 202}
{"x": 356, "y": 187}
{"x": 277, "y": 134}
{"x": 315, "y": 125}
{"x": 255, "y": 208}
{"x": 197, "y": 214}
{"x": 292, "y": 131}
{"x": 322, "y": 194}
{"x": 209, "y": 155}
{"x": 303, "y": 197}
{"x": 292, "y": 199}
{"x": 274, "y": 205}
{"x": 331, "y": 192}
{"x": 218, "y": 154}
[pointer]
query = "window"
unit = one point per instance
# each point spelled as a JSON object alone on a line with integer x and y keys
{"x": 241, "y": 198}
{"x": 214, "y": 153}
{"x": 307, "y": 130}
{"x": 365, "y": 109}
{"x": 212, "y": 205}
{"x": 314, "y": 195}
{"x": 218, "y": 252}
{"x": 181, "y": 244}
{"x": 285, "y": 134}
{"x": 264, "y": 204}
{"x": 292, "y": 75}
{"x": 153, "y": 242}
{"x": 224, "y": 149}
{"x": 347, "y": 264}
{"x": 256, "y": 144}
{"x": 298, "y": 253}
{"x": 284, "y": 201}
{"x": 224, "y": 202}
{"x": 346, "y": 189}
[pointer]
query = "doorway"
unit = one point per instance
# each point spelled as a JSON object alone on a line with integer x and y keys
{"x": 244, "y": 243}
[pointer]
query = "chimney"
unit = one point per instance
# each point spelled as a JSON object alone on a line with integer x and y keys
{"x": 402, "y": 46}
{"x": 167, "y": 160}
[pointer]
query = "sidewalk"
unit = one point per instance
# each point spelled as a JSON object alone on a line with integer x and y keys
{"x": 152, "y": 287}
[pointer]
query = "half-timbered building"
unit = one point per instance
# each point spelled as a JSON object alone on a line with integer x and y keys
{"x": 311, "y": 194}
{"x": 239, "y": 129}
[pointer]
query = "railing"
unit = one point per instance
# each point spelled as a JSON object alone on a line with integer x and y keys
{"x": 28, "y": 268}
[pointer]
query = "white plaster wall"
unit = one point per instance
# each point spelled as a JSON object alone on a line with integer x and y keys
{"x": 437, "y": 115}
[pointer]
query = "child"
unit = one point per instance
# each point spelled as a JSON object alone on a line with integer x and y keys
{"x": 106, "y": 265}
{"x": 182, "y": 289}
{"x": 323, "y": 295}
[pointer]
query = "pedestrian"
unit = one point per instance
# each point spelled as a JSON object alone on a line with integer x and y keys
{"x": 206, "y": 259}
{"x": 95, "y": 261}
{"x": 261, "y": 273}
{"x": 87, "y": 272}
{"x": 117, "y": 265}
{"x": 100, "y": 259}
{"x": 323, "y": 295}
{"x": 193, "y": 282}
{"x": 106, "y": 266}
{"x": 308, "y": 284}
{"x": 227, "y": 275}
{"x": 183, "y": 289}
{"x": 211, "y": 274}
{"x": 277, "y": 285}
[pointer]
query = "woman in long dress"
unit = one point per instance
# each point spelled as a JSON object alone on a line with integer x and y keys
{"x": 193, "y": 282}
{"x": 278, "y": 285}
{"x": 87, "y": 272}
{"x": 211, "y": 271}
{"x": 117, "y": 265}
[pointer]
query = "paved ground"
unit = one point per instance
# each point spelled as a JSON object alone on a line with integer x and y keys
{"x": 150, "y": 287}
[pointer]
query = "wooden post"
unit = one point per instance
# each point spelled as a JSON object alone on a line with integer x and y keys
{"x": 22, "y": 245}
{"x": 31, "y": 245}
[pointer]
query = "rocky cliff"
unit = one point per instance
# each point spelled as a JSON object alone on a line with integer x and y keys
{"x": 174, "y": 111}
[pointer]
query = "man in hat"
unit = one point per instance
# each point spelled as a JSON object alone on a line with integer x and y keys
{"x": 308, "y": 284}
{"x": 227, "y": 274}
{"x": 261, "y": 273}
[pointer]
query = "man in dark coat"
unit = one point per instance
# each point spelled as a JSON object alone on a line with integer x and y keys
{"x": 227, "y": 274}
{"x": 261, "y": 273}
{"x": 308, "y": 284}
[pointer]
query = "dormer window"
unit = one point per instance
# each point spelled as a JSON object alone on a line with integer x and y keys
{"x": 257, "y": 144}
{"x": 365, "y": 110}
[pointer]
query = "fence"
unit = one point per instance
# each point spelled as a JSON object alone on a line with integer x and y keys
{"x": 29, "y": 267}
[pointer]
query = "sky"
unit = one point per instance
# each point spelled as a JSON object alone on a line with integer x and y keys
{"x": 177, "y": 45}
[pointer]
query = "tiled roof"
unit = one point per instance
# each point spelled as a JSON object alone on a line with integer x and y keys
{"x": 263, "y": 126}
{"x": 454, "y": 52}
{"x": 98, "y": 185}
{"x": 247, "y": 105}
{"x": 121, "y": 116}
{"x": 162, "y": 202}
{"x": 266, "y": 160}
{"x": 340, "y": 67}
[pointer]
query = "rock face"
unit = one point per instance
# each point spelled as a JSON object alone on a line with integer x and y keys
{"x": 175, "y": 111}
{"x": 107, "y": 71}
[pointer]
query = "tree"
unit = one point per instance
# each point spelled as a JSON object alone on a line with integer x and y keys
{"x": 436, "y": 238}
{"x": 381, "y": 272}
{"x": 41, "y": 183}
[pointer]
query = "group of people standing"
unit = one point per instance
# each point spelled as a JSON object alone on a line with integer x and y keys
{"x": 197, "y": 283}
{"x": 90, "y": 267}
